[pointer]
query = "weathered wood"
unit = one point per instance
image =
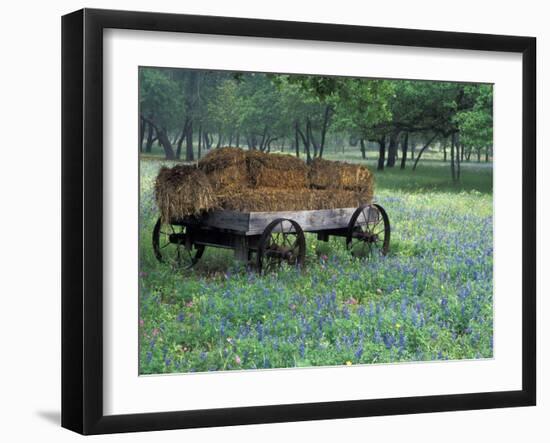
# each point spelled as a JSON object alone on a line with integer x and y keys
{"x": 253, "y": 223}
{"x": 230, "y": 220}
{"x": 241, "y": 248}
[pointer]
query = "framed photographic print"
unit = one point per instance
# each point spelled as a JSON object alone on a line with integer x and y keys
{"x": 270, "y": 221}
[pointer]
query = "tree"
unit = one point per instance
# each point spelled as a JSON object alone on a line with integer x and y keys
{"x": 362, "y": 108}
{"x": 225, "y": 110}
{"x": 308, "y": 104}
{"x": 476, "y": 124}
{"x": 159, "y": 105}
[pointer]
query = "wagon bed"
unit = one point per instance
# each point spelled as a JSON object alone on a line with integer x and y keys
{"x": 254, "y": 223}
{"x": 270, "y": 236}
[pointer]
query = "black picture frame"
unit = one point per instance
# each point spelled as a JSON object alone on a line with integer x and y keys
{"x": 82, "y": 218}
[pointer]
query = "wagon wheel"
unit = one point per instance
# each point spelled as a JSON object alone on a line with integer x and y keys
{"x": 282, "y": 241}
{"x": 368, "y": 232}
{"x": 172, "y": 244}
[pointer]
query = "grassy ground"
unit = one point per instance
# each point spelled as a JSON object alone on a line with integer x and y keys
{"x": 431, "y": 298}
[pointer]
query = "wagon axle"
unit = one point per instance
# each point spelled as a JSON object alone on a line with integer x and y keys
{"x": 368, "y": 237}
{"x": 178, "y": 239}
{"x": 276, "y": 251}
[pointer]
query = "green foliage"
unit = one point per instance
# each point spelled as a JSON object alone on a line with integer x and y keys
{"x": 225, "y": 110}
{"x": 363, "y": 105}
{"x": 476, "y": 124}
{"x": 159, "y": 97}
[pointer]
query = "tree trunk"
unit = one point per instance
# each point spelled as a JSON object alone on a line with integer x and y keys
{"x": 311, "y": 140}
{"x": 422, "y": 151}
{"x": 150, "y": 139}
{"x": 363, "y": 149}
{"x": 163, "y": 140}
{"x": 199, "y": 153}
{"x": 166, "y": 145}
{"x": 189, "y": 154}
{"x": 306, "y": 142}
{"x": 413, "y": 149}
{"x": 392, "y": 150}
{"x": 263, "y": 141}
{"x": 237, "y": 142}
{"x": 180, "y": 141}
{"x": 458, "y": 155}
{"x": 208, "y": 140}
{"x": 268, "y": 143}
{"x": 487, "y": 154}
{"x": 404, "y": 148}
{"x": 191, "y": 98}
{"x": 381, "y": 153}
{"x": 453, "y": 171}
{"x": 444, "y": 152}
{"x": 141, "y": 133}
{"x": 182, "y": 137}
{"x": 297, "y": 142}
{"x": 324, "y": 130}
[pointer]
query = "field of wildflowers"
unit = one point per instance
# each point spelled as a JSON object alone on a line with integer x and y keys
{"x": 430, "y": 298}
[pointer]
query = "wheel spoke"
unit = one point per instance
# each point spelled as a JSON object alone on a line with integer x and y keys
{"x": 380, "y": 231}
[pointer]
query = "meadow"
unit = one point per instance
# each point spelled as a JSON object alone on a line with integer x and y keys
{"x": 429, "y": 299}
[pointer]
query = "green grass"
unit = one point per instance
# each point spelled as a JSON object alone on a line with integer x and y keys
{"x": 430, "y": 299}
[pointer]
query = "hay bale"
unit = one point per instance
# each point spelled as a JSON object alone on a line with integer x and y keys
{"x": 182, "y": 191}
{"x": 269, "y": 199}
{"x": 225, "y": 168}
{"x": 326, "y": 174}
{"x": 276, "y": 170}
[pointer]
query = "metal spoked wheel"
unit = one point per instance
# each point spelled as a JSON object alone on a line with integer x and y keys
{"x": 369, "y": 232}
{"x": 283, "y": 240}
{"x": 172, "y": 244}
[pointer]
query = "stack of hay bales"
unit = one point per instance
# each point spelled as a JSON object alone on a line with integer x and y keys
{"x": 254, "y": 181}
{"x": 325, "y": 174}
{"x": 182, "y": 191}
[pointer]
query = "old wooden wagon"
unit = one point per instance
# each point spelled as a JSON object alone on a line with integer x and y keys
{"x": 268, "y": 239}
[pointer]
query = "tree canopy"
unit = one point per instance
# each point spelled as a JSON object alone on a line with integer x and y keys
{"x": 189, "y": 107}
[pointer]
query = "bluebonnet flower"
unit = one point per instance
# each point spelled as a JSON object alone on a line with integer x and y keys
{"x": 302, "y": 350}
{"x": 402, "y": 340}
{"x": 388, "y": 340}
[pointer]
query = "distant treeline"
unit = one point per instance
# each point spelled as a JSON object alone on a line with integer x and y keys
{"x": 188, "y": 111}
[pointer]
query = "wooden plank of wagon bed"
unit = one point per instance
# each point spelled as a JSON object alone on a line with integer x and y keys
{"x": 254, "y": 223}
